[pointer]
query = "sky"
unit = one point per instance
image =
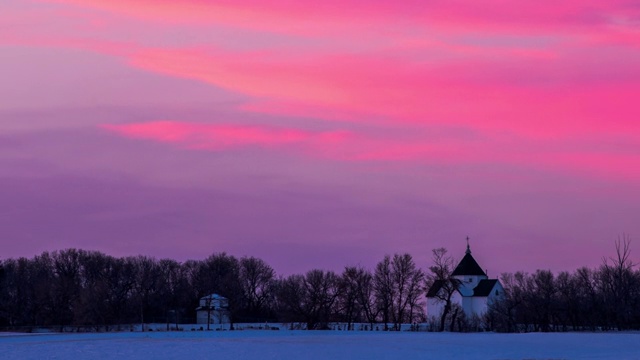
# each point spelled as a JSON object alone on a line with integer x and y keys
{"x": 321, "y": 134}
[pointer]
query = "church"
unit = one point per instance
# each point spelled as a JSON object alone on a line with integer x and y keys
{"x": 475, "y": 289}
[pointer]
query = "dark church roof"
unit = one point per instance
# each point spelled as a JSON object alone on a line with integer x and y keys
{"x": 484, "y": 287}
{"x": 468, "y": 265}
{"x": 433, "y": 290}
{"x": 437, "y": 285}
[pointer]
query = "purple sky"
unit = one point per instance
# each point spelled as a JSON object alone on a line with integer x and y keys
{"x": 321, "y": 136}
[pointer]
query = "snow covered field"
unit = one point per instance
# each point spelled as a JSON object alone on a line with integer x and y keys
{"x": 265, "y": 345}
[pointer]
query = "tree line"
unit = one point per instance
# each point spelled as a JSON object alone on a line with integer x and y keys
{"x": 601, "y": 299}
{"x": 74, "y": 287}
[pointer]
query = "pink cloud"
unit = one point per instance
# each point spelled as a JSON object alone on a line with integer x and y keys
{"x": 570, "y": 87}
{"x": 357, "y": 147}
{"x": 220, "y": 137}
{"x": 536, "y": 91}
{"x": 214, "y": 136}
{"x": 308, "y": 16}
{"x": 338, "y": 145}
{"x": 529, "y": 98}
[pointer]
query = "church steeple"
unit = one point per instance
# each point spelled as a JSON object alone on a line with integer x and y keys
{"x": 468, "y": 265}
{"x": 468, "y": 248}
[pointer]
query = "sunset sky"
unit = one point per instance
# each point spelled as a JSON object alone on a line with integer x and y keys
{"x": 319, "y": 134}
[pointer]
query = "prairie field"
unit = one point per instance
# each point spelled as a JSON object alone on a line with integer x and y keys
{"x": 286, "y": 344}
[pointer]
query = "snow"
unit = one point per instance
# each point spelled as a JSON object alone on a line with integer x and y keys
{"x": 285, "y": 344}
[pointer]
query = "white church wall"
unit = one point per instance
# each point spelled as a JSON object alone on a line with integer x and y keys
{"x": 479, "y": 305}
{"x": 436, "y": 306}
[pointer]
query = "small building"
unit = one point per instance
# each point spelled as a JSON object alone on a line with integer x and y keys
{"x": 213, "y": 309}
{"x": 474, "y": 293}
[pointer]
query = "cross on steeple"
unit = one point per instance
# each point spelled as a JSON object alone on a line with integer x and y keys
{"x": 468, "y": 248}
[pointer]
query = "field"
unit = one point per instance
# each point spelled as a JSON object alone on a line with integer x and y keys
{"x": 265, "y": 345}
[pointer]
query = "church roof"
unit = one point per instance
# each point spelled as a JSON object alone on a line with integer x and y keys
{"x": 468, "y": 266}
{"x": 433, "y": 290}
{"x": 437, "y": 285}
{"x": 484, "y": 287}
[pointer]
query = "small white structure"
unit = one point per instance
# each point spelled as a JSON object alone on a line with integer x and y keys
{"x": 475, "y": 291}
{"x": 213, "y": 309}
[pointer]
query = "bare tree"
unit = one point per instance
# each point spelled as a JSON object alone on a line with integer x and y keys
{"x": 5, "y": 287}
{"x": 13, "y": 294}
{"x": 441, "y": 282}
{"x": 544, "y": 300}
{"x": 356, "y": 302}
{"x": 308, "y": 298}
{"x": 66, "y": 285}
{"x": 348, "y": 295}
{"x": 407, "y": 288}
{"x": 589, "y": 298}
{"x": 177, "y": 296}
{"x": 147, "y": 279}
{"x": 257, "y": 279}
{"x": 384, "y": 289}
{"x": 366, "y": 296}
{"x": 290, "y": 298}
{"x": 619, "y": 283}
{"x": 322, "y": 290}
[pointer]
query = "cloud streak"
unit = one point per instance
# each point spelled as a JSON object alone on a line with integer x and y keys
{"x": 202, "y": 136}
{"x": 343, "y": 145}
{"x": 337, "y": 145}
{"x": 309, "y": 16}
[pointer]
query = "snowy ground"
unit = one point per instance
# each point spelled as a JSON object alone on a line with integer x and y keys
{"x": 265, "y": 345}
